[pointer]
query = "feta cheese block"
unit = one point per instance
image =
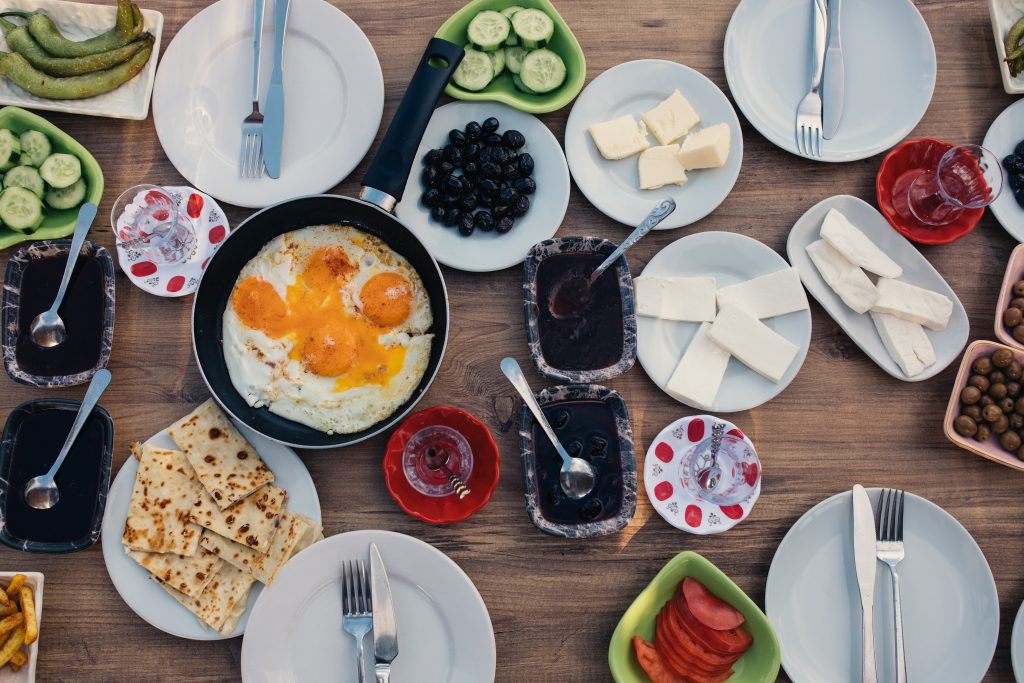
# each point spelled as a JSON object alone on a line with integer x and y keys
{"x": 659, "y": 167}
{"x": 767, "y": 296}
{"x": 848, "y": 281}
{"x": 906, "y": 342}
{"x": 756, "y": 345}
{"x": 620, "y": 138}
{"x": 672, "y": 119}
{"x": 913, "y": 303}
{"x": 687, "y": 299}
{"x": 707, "y": 148}
{"x": 857, "y": 247}
{"x": 699, "y": 373}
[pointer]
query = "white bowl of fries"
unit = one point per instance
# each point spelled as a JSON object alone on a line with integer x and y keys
{"x": 21, "y": 608}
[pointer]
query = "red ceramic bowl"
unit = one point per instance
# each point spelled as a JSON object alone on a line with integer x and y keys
{"x": 482, "y": 481}
{"x": 894, "y": 176}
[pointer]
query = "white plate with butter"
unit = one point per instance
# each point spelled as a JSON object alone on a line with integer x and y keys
{"x": 947, "y": 344}
{"x": 634, "y": 88}
{"x": 730, "y": 259}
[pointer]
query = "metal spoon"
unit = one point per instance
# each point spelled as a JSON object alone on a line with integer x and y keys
{"x": 577, "y": 475}
{"x": 47, "y": 329}
{"x": 41, "y": 492}
{"x": 708, "y": 477}
{"x": 437, "y": 459}
{"x": 570, "y": 296}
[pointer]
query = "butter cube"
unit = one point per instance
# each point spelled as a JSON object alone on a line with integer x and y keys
{"x": 659, "y": 167}
{"x": 707, "y": 148}
{"x": 672, "y": 119}
{"x": 620, "y": 138}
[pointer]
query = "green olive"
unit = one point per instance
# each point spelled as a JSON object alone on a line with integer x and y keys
{"x": 1002, "y": 358}
{"x": 991, "y": 413}
{"x": 982, "y": 365}
{"x": 1013, "y": 371}
{"x": 997, "y": 391}
{"x": 980, "y": 381}
{"x": 965, "y": 426}
{"x": 973, "y": 412}
{"x": 984, "y": 432}
{"x": 1000, "y": 425}
{"x": 1010, "y": 441}
{"x": 1012, "y": 317}
{"x": 970, "y": 395}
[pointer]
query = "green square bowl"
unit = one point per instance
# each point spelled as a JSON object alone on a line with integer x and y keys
{"x": 501, "y": 89}
{"x": 759, "y": 664}
{"x": 57, "y": 223}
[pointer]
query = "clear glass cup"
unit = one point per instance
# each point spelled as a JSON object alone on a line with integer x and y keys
{"x": 740, "y": 466}
{"x": 442, "y": 440}
{"x": 966, "y": 177}
{"x": 147, "y": 218}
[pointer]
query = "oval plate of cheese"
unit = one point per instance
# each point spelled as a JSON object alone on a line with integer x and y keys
{"x": 884, "y": 294}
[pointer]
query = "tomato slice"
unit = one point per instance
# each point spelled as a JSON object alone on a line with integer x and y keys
{"x": 733, "y": 641}
{"x": 677, "y": 659}
{"x": 709, "y": 609}
{"x": 677, "y": 634}
{"x": 651, "y": 663}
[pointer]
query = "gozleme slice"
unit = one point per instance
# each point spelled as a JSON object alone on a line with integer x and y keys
{"x": 848, "y": 281}
{"x": 218, "y": 604}
{"x": 295, "y": 533}
{"x": 164, "y": 493}
{"x": 756, "y": 345}
{"x": 188, "y": 575}
{"x": 913, "y": 303}
{"x": 857, "y": 247}
{"x": 766, "y": 296}
{"x": 699, "y": 373}
{"x": 906, "y": 342}
{"x": 251, "y": 521}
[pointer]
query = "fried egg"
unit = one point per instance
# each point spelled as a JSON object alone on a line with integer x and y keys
{"x": 327, "y": 326}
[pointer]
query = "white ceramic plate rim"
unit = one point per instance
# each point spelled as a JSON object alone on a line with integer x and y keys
{"x": 1005, "y": 207}
{"x": 1017, "y": 645}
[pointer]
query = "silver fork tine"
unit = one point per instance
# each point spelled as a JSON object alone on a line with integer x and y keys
{"x": 899, "y": 518}
{"x": 365, "y": 583}
{"x": 886, "y": 515}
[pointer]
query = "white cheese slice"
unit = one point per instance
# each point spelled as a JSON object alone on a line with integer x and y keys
{"x": 699, "y": 373}
{"x": 857, "y": 247}
{"x": 659, "y": 167}
{"x": 707, "y": 148}
{"x": 847, "y": 280}
{"x": 687, "y": 299}
{"x": 672, "y": 119}
{"x": 767, "y": 296}
{"x": 906, "y": 342}
{"x": 759, "y": 347}
{"x": 913, "y": 303}
{"x": 620, "y": 138}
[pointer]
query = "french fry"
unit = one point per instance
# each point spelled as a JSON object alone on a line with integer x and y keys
{"x": 8, "y": 609}
{"x": 9, "y": 623}
{"x": 18, "y": 659}
{"x": 28, "y": 608}
{"x": 5, "y": 600}
{"x": 12, "y": 645}
{"x": 15, "y": 667}
{"x": 15, "y": 586}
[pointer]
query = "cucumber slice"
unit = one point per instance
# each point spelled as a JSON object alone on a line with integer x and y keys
{"x": 509, "y": 11}
{"x": 61, "y": 170}
{"x": 9, "y": 149}
{"x": 488, "y": 30}
{"x": 67, "y": 197}
{"x": 518, "y": 82}
{"x": 27, "y": 177}
{"x": 474, "y": 71}
{"x": 512, "y": 39}
{"x": 542, "y": 71}
{"x": 497, "y": 61}
{"x": 533, "y": 27}
{"x": 20, "y": 209}
{"x": 35, "y": 147}
{"x": 514, "y": 57}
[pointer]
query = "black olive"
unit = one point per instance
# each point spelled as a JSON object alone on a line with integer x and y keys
{"x": 490, "y": 125}
{"x": 484, "y": 221}
{"x": 468, "y": 202}
{"x": 508, "y": 195}
{"x": 433, "y": 157}
{"x": 452, "y": 185}
{"x": 471, "y": 171}
{"x": 487, "y": 200}
{"x": 470, "y": 151}
{"x": 451, "y": 216}
{"x": 453, "y": 155}
{"x": 500, "y": 155}
{"x": 474, "y": 131}
{"x": 449, "y": 200}
{"x": 493, "y": 140}
{"x": 1019, "y": 149}
{"x": 445, "y": 167}
{"x": 490, "y": 169}
{"x": 525, "y": 163}
{"x": 1016, "y": 180}
{"x": 514, "y": 139}
{"x": 1014, "y": 163}
{"x": 431, "y": 197}
{"x": 488, "y": 186}
{"x": 525, "y": 185}
{"x": 437, "y": 213}
{"x": 505, "y": 224}
{"x": 466, "y": 224}
{"x": 1018, "y": 194}
{"x": 520, "y": 206}
{"x": 484, "y": 155}
{"x": 499, "y": 211}
{"x": 509, "y": 172}
{"x": 430, "y": 176}
{"x": 457, "y": 137}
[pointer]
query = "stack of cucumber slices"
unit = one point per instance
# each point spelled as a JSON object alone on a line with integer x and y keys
{"x": 511, "y": 39}
{"x": 34, "y": 175}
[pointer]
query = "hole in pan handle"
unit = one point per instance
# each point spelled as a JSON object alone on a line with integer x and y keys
{"x": 385, "y": 179}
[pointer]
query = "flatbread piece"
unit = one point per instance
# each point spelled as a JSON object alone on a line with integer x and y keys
{"x": 219, "y": 603}
{"x": 163, "y": 498}
{"x": 188, "y": 575}
{"x": 295, "y": 533}
{"x": 252, "y": 521}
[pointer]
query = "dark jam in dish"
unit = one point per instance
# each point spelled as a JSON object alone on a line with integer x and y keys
{"x": 82, "y": 313}
{"x": 592, "y": 338}
{"x": 587, "y": 430}
{"x": 37, "y": 442}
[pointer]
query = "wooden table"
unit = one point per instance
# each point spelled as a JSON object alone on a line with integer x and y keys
{"x": 841, "y": 421}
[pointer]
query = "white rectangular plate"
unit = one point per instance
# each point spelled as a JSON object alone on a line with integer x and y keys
{"x": 916, "y": 270}
{"x": 1003, "y": 14}
{"x": 79, "y": 21}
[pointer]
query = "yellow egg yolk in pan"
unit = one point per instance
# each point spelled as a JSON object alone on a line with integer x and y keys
{"x": 386, "y": 299}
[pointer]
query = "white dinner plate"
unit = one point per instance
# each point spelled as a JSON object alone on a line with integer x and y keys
{"x": 483, "y": 252}
{"x": 950, "y": 607}
{"x": 1017, "y": 646}
{"x": 1003, "y": 135}
{"x": 729, "y": 258}
{"x": 916, "y": 270}
{"x": 614, "y": 186}
{"x": 146, "y": 598}
{"x": 889, "y": 75}
{"x": 444, "y": 630}
{"x": 334, "y": 98}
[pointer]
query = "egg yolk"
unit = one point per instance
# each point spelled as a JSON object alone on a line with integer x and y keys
{"x": 327, "y": 267}
{"x": 330, "y": 350}
{"x": 386, "y": 299}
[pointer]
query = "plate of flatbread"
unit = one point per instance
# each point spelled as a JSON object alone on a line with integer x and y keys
{"x": 200, "y": 518}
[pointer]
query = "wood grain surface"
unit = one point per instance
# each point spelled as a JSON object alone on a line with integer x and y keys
{"x": 554, "y": 603}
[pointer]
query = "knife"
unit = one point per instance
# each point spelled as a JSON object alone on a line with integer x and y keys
{"x": 385, "y": 631}
{"x": 835, "y": 77}
{"x": 864, "y": 543}
{"x": 273, "y": 123}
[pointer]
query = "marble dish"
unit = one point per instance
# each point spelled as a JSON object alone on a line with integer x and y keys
{"x": 12, "y": 302}
{"x": 579, "y": 392}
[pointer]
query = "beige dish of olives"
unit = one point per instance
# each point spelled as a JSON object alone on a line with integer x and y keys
{"x": 993, "y": 400}
{"x": 1013, "y": 316}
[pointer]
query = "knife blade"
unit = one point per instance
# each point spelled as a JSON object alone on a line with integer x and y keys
{"x": 273, "y": 118}
{"x": 385, "y": 630}
{"x": 865, "y": 559}
{"x": 835, "y": 73}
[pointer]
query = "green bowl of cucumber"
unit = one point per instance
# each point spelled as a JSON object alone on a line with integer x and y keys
{"x": 518, "y": 52}
{"x": 47, "y": 175}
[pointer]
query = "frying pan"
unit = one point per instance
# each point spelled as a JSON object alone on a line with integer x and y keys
{"x": 372, "y": 212}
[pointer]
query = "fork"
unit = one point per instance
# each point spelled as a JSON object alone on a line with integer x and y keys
{"x": 357, "y": 619}
{"x": 890, "y": 551}
{"x": 808, "y": 114}
{"x": 251, "y": 163}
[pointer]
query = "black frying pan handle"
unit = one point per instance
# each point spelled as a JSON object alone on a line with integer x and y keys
{"x": 390, "y": 167}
